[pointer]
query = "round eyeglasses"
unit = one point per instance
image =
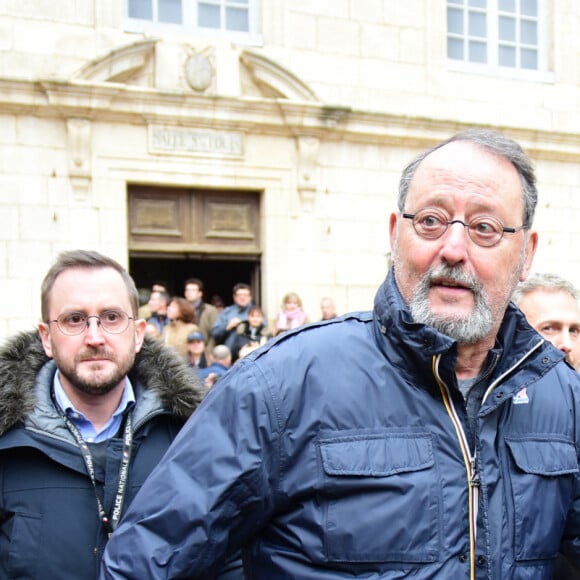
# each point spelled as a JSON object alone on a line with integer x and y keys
{"x": 487, "y": 231}
{"x": 74, "y": 323}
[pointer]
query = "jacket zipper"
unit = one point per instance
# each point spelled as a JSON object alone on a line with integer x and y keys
{"x": 469, "y": 460}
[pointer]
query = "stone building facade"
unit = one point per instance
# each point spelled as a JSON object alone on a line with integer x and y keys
{"x": 263, "y": 141}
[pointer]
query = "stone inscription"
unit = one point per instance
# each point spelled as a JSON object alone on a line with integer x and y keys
{"x": 195, "y": 141}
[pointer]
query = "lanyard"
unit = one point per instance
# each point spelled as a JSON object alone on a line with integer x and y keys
{"x": 109, "y": 523}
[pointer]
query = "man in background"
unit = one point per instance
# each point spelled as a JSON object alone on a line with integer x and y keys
{"x": 224, "y": 330}
{"x": 157, "y": 286}
{"x": 220, "y": 361}
{"x": 550, "y": 304}
{"x": 158, "y": 304}
{"x": 205, "y": 314}
{"x": 327, "y": 308}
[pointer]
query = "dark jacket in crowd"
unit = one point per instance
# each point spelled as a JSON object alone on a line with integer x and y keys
{"x": 246, "y": 334}
{"x": 219, "y": 331}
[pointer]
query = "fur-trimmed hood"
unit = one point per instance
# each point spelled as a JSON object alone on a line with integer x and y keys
{"x": 156, "y": 368}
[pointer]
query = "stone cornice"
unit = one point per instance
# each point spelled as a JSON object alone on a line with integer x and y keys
{"x": 136, "y": 105}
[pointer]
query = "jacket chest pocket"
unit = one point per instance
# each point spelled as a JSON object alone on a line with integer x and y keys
{"x": 381, "y": 498}
{"x": 542, "y": 483}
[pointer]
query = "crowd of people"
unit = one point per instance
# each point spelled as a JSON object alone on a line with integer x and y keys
{"x": 195, "y": 329}
{"x": 433, "y": 437}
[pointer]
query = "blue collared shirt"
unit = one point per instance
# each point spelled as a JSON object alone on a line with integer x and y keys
{"x": 84, "y": 425}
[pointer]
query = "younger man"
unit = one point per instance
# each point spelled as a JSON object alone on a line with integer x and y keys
{"x": 88, "y": 406}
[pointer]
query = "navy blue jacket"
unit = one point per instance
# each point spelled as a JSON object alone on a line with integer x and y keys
{"x": 49, "y": 525}
{"x": 339, "y": 451}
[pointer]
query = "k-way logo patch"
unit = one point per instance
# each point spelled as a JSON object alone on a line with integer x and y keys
{"x": 521, "y": 397}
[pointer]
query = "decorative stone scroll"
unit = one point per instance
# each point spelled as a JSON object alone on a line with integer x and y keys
{"x": 307, "y": 178}
{"x": 79, "y": 156}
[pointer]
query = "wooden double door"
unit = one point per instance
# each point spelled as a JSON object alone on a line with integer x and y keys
{"x": 179, "y": 233}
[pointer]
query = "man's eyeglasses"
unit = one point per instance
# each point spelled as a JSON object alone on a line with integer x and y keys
{"x": 74, "y": 323}
{"x": 487, "y": 231}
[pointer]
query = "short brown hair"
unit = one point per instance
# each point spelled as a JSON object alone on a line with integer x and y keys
{"x": 89, "y": 260}
{"x": 194, "y": 282}
{"x": 186, "y": 311}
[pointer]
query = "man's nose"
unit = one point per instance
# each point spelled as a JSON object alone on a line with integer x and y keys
{"x": 455, "y": 243}
{"x": 94, "y": 331}
{"x": 564, "y": 341}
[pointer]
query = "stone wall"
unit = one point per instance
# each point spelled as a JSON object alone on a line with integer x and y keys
{"x": 338, "y": 98}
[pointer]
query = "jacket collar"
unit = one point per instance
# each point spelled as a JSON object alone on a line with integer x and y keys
{"x": 160, "y": 378}
{"x": 411, "y": 346}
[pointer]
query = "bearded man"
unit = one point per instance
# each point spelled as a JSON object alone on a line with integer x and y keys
{"x": 87, "y": 408}
{"x": 433, "y": 438}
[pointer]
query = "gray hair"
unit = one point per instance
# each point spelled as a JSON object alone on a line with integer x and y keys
{"x": 495, "y": 143}
{"x": 221, "y": 352}
{"x": 544, "y": 281}
{"x": 89, "y": 260}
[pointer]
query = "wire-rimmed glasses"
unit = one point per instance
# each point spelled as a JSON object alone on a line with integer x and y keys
{"x": 486, "y": 230}
{"x": 74, "y": 323}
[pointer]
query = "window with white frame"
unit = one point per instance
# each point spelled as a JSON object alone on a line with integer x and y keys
{"x": 224, "y": 14}
{"x": 235, "y": 19}
{"x": 164, "y": 11}
{"x": 497, "y": 33}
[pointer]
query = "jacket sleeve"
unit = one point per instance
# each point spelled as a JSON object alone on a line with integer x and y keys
{"x": 212, "y": 490}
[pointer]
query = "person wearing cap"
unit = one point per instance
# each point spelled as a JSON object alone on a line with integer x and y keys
{"x": 196, "y": 350}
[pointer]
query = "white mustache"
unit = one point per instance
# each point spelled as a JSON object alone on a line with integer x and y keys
{"x": 453, "y": 274}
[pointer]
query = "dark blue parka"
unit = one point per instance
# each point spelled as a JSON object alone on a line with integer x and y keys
{"x": 49, "y": 525}
{"x": 340, "y": 451}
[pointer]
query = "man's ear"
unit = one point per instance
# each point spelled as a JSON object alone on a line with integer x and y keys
{"x": 531, "y": 246}
{"x": 393, "y": 229}
{"x": 140, "y": 327}
{"x": 44, "y": 332}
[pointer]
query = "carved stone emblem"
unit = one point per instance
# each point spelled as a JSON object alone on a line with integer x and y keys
{"x": 198, "y": 72}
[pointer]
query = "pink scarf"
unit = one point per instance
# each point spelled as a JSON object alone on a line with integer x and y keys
{"x": 290, "y": 319}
